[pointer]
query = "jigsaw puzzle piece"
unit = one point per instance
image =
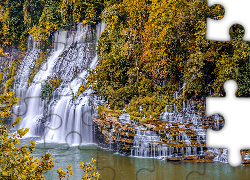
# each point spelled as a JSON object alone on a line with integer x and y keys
{"x": 72, "y": 106}
{"x": 75, "y": 137}
{"x": 63, "y": 157}
{"x": 105, "y": 167}
{"x": 147, "y": 171}
{"x": 197, "y": 174}
{"x": 235, "y": 112}
{"x": 69, "y": 123}
{"x": 235, "y": 12}
{"x": 114, "y": 166}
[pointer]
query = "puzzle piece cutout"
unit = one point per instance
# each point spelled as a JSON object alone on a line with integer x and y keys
{"x": 66, "y": 133}
{"x": 235, "y": 12}
{"x": 22, "y": 108}
{"x": 235, "y": 111}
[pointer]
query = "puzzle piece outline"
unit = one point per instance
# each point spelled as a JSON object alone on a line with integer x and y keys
{"x": 46, "y": 65}
{"x": 68, "y": 144}
{"x": 69, "y": 86}
{"x": 228, "y": 124}
{"x": 216, "y": 29}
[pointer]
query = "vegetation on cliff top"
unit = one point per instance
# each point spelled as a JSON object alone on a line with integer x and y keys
{"x": 41, "y": 18}
{"x": 149, "y": 50}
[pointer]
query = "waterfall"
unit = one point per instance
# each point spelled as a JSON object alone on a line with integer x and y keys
{"x": 67, "y": 120}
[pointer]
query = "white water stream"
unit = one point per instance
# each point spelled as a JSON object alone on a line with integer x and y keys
{"x": 67, "y": 121}
{"x": 70, "y": 121}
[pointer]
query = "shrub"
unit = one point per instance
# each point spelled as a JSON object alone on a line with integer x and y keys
{"x": 15, "y": 162}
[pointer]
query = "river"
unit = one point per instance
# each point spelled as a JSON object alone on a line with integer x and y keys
{"x": 113, "y": 166}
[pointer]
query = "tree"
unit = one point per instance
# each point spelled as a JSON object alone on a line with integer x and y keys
{"x": 15, "y": 162}
{"x": 88, "y": 168}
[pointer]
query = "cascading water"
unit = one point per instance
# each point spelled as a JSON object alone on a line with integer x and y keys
{"x": 64, "y": 117}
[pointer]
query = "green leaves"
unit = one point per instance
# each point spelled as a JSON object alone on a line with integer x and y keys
{"x": 142, "y": 49}
{"x": 41, "y": 18}
{"x": 193, "y": 76}
{"x": 46, "y": 90}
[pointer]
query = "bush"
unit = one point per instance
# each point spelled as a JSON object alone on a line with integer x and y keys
{"x": 46, "y": 90}
{"x": 17, "y": 163}
{"x": 88, "y": 168}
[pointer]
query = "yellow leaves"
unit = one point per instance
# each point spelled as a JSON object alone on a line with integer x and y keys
{"x": 81, "y": 164}
{"x": 88, "y": 168}
{"x": 152, "y": 105}
{"x": 73, "y": 11}
{"x": 62, "y": 174}
{"x": 69, "y": 167}
{"x": 8, "y": 83}
{"x": 55, "y": 83}
{"x": 145, "y": 86}
{"x": 1, "y": 75}
{"x": 27, "y": 17}
{"x": 32, "y": 142}
{"x": 6, "y": 101}
{"x": 159, "y": 35}
{"x": 17, "y": 162}
{"x": 21, "y": 132}
{"x": 39, "y": 62}
{"x": 90, "y": 16}
{"x": 93, "y": 161}
{"x": 25, "y": 146}
{"x": 82, "y": 88}
{"x": 13, "y": 69}
{"x": 4, "y": 32}
{"x": 47, "y": 23}
{"x": 16, "y": 121}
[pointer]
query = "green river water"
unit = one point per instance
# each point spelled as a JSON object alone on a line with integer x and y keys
{"x": 113, "y": 166}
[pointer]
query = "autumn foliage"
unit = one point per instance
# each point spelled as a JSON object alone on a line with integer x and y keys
{"x": 17, "y": 162}
{"x": 152, "y": 49}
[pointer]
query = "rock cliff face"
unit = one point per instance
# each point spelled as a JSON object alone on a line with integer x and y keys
{"x": 177, "y": 136}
